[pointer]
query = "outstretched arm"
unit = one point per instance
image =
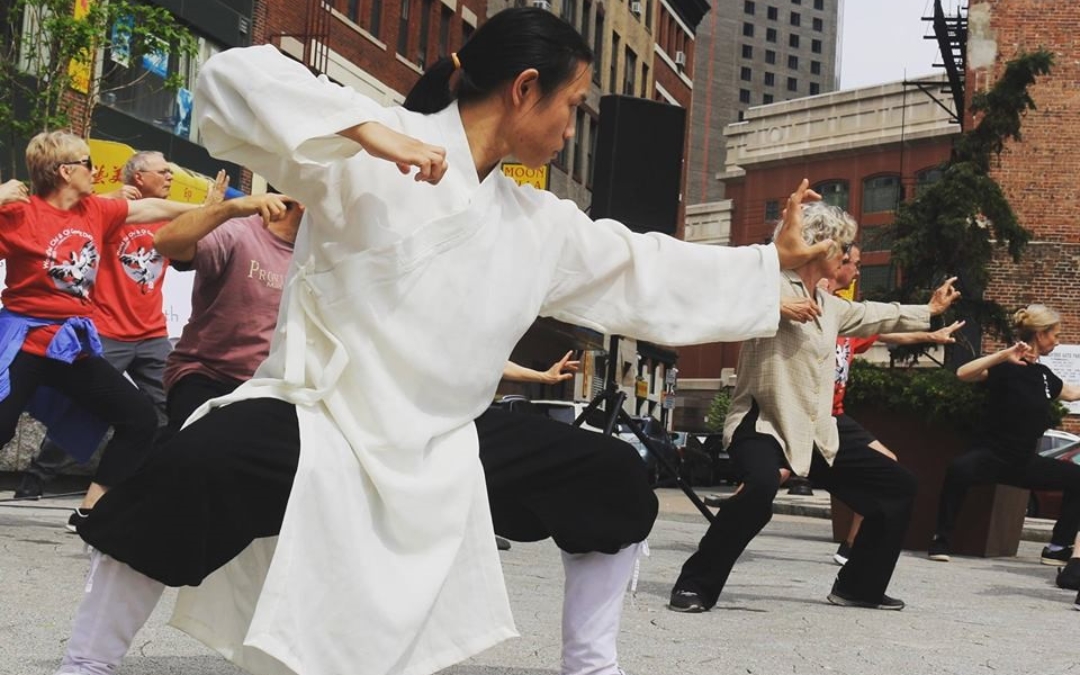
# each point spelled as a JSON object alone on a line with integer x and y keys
{"x": 179, "y": 239}
{"x": 152, "y": 210}
{"x": 976, "y": 370}
{"x": 941, "y": 336}
{"x": 561, "y": 370}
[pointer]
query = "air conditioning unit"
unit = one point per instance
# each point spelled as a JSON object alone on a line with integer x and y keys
{"x": 541, "y": 4}
{"x": 680, "y": 58}
{"x": 636, "y": 8}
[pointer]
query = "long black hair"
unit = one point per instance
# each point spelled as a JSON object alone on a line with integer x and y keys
{"x": 509, "y": 43}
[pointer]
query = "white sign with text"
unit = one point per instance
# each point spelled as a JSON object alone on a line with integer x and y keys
{"x": 1065, "y": 362}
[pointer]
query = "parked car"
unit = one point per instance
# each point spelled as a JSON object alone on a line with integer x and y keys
{"x": 1060, "y": 445}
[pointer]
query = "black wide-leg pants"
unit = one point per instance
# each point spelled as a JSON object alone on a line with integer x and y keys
{"x": 865, "y": 480}
{"x": 225, "y": 479}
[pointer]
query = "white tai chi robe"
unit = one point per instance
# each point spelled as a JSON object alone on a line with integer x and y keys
{"x": 403, "y": 303}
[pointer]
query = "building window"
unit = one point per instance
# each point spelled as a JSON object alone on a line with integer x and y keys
{"x": 569, "y": 12}
{"x": 815, "y": 46}
{"x": 138, "y": 88}
{"x": 747, "y": 52}
{"x": 770, "y": 35}
{"x": 772, "y": 210}
{"x": 467, "y": 29}
{"x": 772, "y": 13}
{"x": 819, "y": 25}
{"x": 426, "y": 7}
{"x": 819, "y": 4}
{"x": 793, "y": 62}
{"x": 770, "y": 56}
{"x": 644, "y": 80}
{"x": 815, "y": 88}
{"x": 796, "y": 2}
{"x": 876, "y": 279}
{"x": 924, "y": 179}
{"x": 793, "y": 41}
{"x": 748, "y": 29}
{"x": 815, "y": 67}
{"x": 579, "y": 128}
{"x": 598, "y": 47}
{"x": 745, "y": 75}
{"x": 592, "y": 152}
{"x": 770, "y": 79}
{"x": 613, "y": 70}
{"x": 748, "y": 7}
{"x": 445, "y": 16}
{"x": 834, "y": 193}
{"x": 403, "y": 29}
{"x": 586, "y": 19}
{"x": 766, "y": 98}
{"x": 796, "y": 19}
{"x": 352, "y": 10}
{"x": 375, "y": 27}
{"x": 744, "y": 96}
{"x": 742, "y": 115}
{"x": 880, "y": 194}
{"x": 792, "y": 84}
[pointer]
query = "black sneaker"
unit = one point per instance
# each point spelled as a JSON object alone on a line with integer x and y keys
{"x": 1069, "y": 576}
{"x": 843, "y": 552}
{"x": 938, "y": 550}
{"x": 838, "y": 597}
{"x": 78, "y": 516}
{"x": 30, "y": 487}
{"x": 686, "y": 601}
{"x": 1057, "y": 558}
{"x": 501, "y": 543}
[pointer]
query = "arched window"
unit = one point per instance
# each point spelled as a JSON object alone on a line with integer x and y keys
{"x": 834, "y": 193}
{"x": 926, "y": 178}
{"x": 881, "y": 194}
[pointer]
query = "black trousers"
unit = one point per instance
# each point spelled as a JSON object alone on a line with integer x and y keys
{"x": 982, "y": 466}
{"x": 99, "y": 388}
{"x": 188, "y": 393}
{"x": 868, "y": 482}
{"x": 225, "y": 479}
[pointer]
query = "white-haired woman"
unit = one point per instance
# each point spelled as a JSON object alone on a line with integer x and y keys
{"x": 1020, "y": 394}
{"x": 781, "y": 418}
{"x": 51, "y": 242}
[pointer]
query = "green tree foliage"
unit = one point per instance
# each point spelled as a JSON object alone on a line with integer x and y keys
{"x": 718, "y": 410}
{"x": 46, "y": 36}
{"x": 954, "y": 225}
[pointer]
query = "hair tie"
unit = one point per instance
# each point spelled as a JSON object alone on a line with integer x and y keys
{"x": 456, "y": 60}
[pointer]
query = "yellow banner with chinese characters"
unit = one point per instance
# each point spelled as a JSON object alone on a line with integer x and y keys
{"x": 523, "y": 175}
{"x": 81, "y": 69}
{"x": 109, "y": 158}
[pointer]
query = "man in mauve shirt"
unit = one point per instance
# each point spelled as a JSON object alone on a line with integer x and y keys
{"x": 240, "y": 250}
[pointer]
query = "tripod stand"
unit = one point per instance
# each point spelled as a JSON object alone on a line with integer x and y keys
{"x": 612, "y": 400}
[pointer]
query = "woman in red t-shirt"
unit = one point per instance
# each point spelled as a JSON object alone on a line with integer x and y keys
{"x": 51, "y": 243}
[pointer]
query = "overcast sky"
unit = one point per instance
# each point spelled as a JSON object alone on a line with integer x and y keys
{"x": 882, "y": 41}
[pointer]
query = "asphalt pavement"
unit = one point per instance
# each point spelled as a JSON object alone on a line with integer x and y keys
{"x": 972, "y": 616}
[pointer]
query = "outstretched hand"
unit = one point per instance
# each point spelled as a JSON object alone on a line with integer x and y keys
{"x": 407, "y": 152}
{"x": 944, "y": 335}
{"x": 791, "y": 248}
{"x": 563, "y": 369}
{"x": 269, "y": 206}
{"x": 216, "y": 192}
{"x": 944, "y": 296}
{"x": 1016, "y": 353}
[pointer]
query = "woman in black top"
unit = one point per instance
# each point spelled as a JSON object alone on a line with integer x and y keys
{"x": 1020, "y": 393}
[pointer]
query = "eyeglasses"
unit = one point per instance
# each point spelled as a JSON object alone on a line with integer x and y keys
{"x": 160, "y": 172}
{"x": 87, "y": 162}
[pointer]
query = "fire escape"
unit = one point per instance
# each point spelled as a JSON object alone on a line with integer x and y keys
{"x": 315, "y": 38}
{"x": 950, "y": 33}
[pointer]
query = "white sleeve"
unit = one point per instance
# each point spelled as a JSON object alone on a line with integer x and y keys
{"x": 259, "y": 108}
{"x": 661, "y": 289}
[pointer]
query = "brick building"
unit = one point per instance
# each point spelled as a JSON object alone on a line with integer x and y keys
{"x": 1039, "y": 174}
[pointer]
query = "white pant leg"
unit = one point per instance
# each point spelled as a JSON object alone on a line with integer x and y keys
{"x": 592, "y": 607}
{"x": 117, "y": 603}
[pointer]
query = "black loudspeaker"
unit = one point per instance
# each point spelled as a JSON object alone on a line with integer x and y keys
{"x": 639, "y": 154}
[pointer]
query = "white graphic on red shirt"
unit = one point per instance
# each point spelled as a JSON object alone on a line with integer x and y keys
{"x": 140, "y": 262}
{"x": 75, "y": 274}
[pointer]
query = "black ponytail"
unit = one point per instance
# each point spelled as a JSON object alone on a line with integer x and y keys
{"x": 509, "y": 43}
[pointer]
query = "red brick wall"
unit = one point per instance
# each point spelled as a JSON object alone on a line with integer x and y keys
{"x": 1039, "y": 174}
